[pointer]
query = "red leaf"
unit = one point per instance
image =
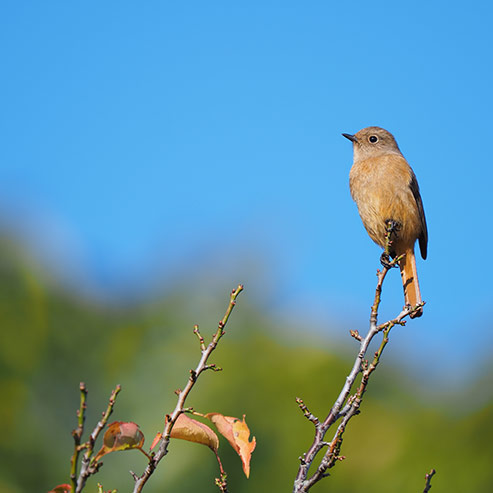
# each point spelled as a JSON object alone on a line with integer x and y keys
{"x": 61, "y": 488}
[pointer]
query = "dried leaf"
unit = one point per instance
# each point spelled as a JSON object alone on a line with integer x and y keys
{"x": 121, "y": 435}
{"x": 156, "y": 440}
{"x": 186, "y": 428}
{"x": 237, "y": 433}
{"x": 61, "y": 488}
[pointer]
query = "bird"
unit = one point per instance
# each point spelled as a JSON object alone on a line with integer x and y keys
{"x": 386, "y": 191}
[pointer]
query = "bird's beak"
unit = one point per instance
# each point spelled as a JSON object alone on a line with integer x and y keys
{"x": 352, "y": 138}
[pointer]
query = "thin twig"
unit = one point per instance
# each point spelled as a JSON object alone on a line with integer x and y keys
{"x": 428, "y": 480}
{"x": 202, "y": 366}
{"x": 222, "y": 481}
{"x": 89, "y": 465}
{"x": 347, "y": 405}
{"x": 77, "y": 434}
{"x": 306, "y": 412}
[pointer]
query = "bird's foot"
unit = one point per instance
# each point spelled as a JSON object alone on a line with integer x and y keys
{"x": 392, "y": 227}
{"x": 416, "y": 311}
{"x": 386, "y": 261}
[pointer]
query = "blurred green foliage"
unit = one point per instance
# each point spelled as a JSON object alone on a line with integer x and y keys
{"x": 52, "y": 338}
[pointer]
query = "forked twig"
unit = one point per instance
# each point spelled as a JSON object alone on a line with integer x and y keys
{"x": 202, "y": 366}
{"x": 89, "y": 465}
{"x": 348, "y": 403}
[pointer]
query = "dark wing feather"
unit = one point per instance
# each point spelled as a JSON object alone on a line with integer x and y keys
{"x": 423, "y": 237}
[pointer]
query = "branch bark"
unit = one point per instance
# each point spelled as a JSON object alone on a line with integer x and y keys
{"x": 347, "y": 405}
{"x": 89, "y": 465}
{"x": 202, "y": 366}
{"x": 428, "y": 480}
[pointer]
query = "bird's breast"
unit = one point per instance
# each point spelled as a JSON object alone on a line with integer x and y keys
{"x": 380, "y": 188}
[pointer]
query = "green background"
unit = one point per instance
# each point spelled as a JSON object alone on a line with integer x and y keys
{"x": 53, "y": 338}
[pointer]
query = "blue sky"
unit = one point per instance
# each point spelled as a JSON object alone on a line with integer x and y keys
{"x": 154, "y": 140}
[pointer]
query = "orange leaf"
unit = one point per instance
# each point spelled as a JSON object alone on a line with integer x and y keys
{"x": 61, "y": 488}
{"x": 156, "y": 440}
{"x": 186, "y": 428}
{"x": 121, "y": 435}
{"x": 237, "y": 433}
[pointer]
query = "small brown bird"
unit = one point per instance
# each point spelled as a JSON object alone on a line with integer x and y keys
{"x": 386, "y": 191}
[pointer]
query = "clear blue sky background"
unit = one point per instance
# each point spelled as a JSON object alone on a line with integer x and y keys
{"x": 146, "y": 140}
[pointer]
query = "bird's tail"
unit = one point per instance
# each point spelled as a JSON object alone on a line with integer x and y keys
{"x": 410, "y": 282}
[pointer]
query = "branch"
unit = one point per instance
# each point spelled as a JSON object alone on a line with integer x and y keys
{"x": 306, "y": 412}
{"x": 347, "y": 405}
{"x": 202, "y": 366}
{"x": 77, "y": 434}
{"x": 428, "y": 480}
{"x": 221, "y": 481}
{"x": 89, "y": 465}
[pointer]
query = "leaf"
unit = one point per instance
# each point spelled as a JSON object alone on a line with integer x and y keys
{"x": 61, "y": 488}
{"x": 121, "y": 435}
{"x": 156, "y": 440}
{"x": 237, "y": 433}
{"x": 186, "y": 428}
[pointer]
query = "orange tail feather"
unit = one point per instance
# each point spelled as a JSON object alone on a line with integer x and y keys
{"x": 409, "y": 275}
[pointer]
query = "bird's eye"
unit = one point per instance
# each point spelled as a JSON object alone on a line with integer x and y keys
{"x": 373, "y": 139}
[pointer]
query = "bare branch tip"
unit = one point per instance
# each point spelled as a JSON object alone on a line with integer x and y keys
{"x": 428, "y": 480}
{"x": 356, "y": 335}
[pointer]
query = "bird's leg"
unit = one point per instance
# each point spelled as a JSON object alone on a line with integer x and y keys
{"x": 392, "y": 228}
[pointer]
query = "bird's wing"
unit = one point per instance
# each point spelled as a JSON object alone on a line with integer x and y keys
{"x": 423, "y": 237}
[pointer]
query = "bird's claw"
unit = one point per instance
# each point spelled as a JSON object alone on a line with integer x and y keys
{"x": 386, "y": 262}
{"x": 393, "y": 226}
